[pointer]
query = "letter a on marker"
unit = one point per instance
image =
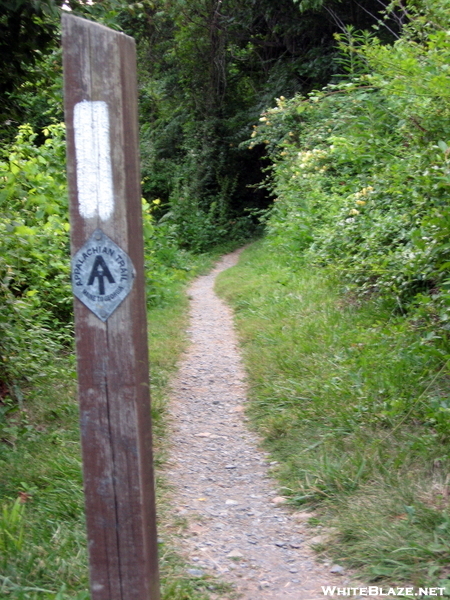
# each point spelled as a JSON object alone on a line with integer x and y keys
{"x": 99, "y": 271}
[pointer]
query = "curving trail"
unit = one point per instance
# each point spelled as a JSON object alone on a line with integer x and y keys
{"x": 220, "y": 476}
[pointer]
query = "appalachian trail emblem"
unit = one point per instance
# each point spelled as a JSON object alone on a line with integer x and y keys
{"x": 102, "y": 275}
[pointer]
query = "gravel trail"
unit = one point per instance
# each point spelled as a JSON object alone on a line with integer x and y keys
{"x": 238, "y": 529}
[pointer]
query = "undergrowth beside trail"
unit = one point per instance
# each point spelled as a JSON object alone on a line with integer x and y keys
{"x": 42, "y": 532}
{"x": 351, "y": 402}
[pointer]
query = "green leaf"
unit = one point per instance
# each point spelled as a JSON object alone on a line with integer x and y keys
{"x": 24, "y": 230}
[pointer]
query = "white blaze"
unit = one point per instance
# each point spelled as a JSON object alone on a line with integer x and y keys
{"x": 93, "y": 158}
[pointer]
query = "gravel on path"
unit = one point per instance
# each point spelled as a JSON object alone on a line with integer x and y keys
{"x": 239, "y": 529}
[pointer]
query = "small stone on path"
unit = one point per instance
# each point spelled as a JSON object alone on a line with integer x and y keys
{"x": 195, "y": 572}
{"x": 318, "y": 540}
{"x": 302, "y": 517}
{"x": 337, "y": 569}
{"x": 279, "y": 500}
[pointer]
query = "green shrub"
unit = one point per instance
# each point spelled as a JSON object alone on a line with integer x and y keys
{"x": 362, "y": 168}
{"x": 35, "y": 295}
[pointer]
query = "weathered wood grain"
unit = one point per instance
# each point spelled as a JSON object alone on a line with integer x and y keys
{"x": 113, "y": 380}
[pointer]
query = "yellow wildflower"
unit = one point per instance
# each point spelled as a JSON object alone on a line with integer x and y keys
{"x": 367, "y": 190}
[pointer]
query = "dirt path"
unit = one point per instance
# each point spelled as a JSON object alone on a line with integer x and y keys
{"x": 220, "y": 477}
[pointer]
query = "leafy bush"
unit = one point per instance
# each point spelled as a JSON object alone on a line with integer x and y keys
{"x": 361, "y": 170}
{"x": 35, "y": 296}
{"x": 165, "y": 263}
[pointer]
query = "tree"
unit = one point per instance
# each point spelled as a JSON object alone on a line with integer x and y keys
{"x": 208, "y": 68}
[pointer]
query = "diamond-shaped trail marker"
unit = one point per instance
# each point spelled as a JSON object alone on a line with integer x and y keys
{"x": 102, "y": 275}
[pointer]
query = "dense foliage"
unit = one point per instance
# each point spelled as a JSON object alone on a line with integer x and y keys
{"x": 361, "y": 168}
{"x": 35, "y": 304}
{"x": 208, "y": 68}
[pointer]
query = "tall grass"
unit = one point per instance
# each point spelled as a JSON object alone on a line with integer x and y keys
{"x": 42, "y": 552}
{"x": 344, "y": 394}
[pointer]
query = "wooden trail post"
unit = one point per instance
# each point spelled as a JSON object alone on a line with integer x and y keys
{"x": 110, "y": 310}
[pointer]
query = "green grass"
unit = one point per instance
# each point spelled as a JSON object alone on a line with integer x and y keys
{"x": 42, "y": 537}
{"x": 351, "y": 402}
{"x": 43, "y": 552}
